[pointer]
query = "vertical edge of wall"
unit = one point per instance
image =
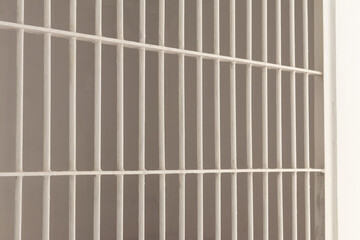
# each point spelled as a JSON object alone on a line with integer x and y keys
{"x": 348, "y": 117}
{"x": 325, "y": 122}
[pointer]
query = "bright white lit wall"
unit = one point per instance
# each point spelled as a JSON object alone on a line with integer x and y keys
{"x": 348, "y": 117}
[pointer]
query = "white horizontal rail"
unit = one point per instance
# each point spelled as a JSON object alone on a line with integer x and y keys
{"x": 150, "y": 47}
{"x": 159, "y": 172}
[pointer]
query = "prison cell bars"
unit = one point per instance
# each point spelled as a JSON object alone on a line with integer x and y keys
{"x": 73, "y": 36}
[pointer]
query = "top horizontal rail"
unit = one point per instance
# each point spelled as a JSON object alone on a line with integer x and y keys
{"x": 151, "y": 47}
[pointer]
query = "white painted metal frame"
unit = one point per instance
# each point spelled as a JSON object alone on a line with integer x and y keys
{"x": 324, "y": 119}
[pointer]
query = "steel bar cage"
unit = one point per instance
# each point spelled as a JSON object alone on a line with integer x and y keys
{"x": 315, "y": 177}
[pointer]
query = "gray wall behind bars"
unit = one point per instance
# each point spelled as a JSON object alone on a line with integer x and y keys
{"x": 33, "y": 120}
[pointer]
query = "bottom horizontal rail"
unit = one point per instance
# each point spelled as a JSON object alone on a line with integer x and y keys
{"x": 158, "y": 172}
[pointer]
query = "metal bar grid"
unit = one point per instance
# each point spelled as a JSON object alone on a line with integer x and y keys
{"x": 161, "y": 49}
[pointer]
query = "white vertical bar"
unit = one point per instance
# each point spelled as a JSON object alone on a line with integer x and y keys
{"x": 19, "y": 119}
{"x": 120, "y": 207}
{"x": 199, "y": 123}
{"x": 265, "y": 124}
{"x": 120, "y": 123}
{"x": 72, "y": 140}
{"x": 279, "y": 125}
{"x": 217, "y": 120}
{"x": 47, "y": 122}
{"x": 46, "y": 208}
{"x": 181, "y": 120}
{"x": 97, "y": 196}
{"x": 18, "y": 208}
{"x": 97, "y": 122}
{"x": 306, "y": 120}
{"x": 162, "y": 197}
{"x": 233, "y": 121}
{"x": 141, "y": 230}
{"x": 72, "y": 123}
{"x": 293, "y": 118}
{"x": 249, "y": 119}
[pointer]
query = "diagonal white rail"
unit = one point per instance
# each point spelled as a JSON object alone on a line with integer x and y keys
{"x": 151, "y": 47}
